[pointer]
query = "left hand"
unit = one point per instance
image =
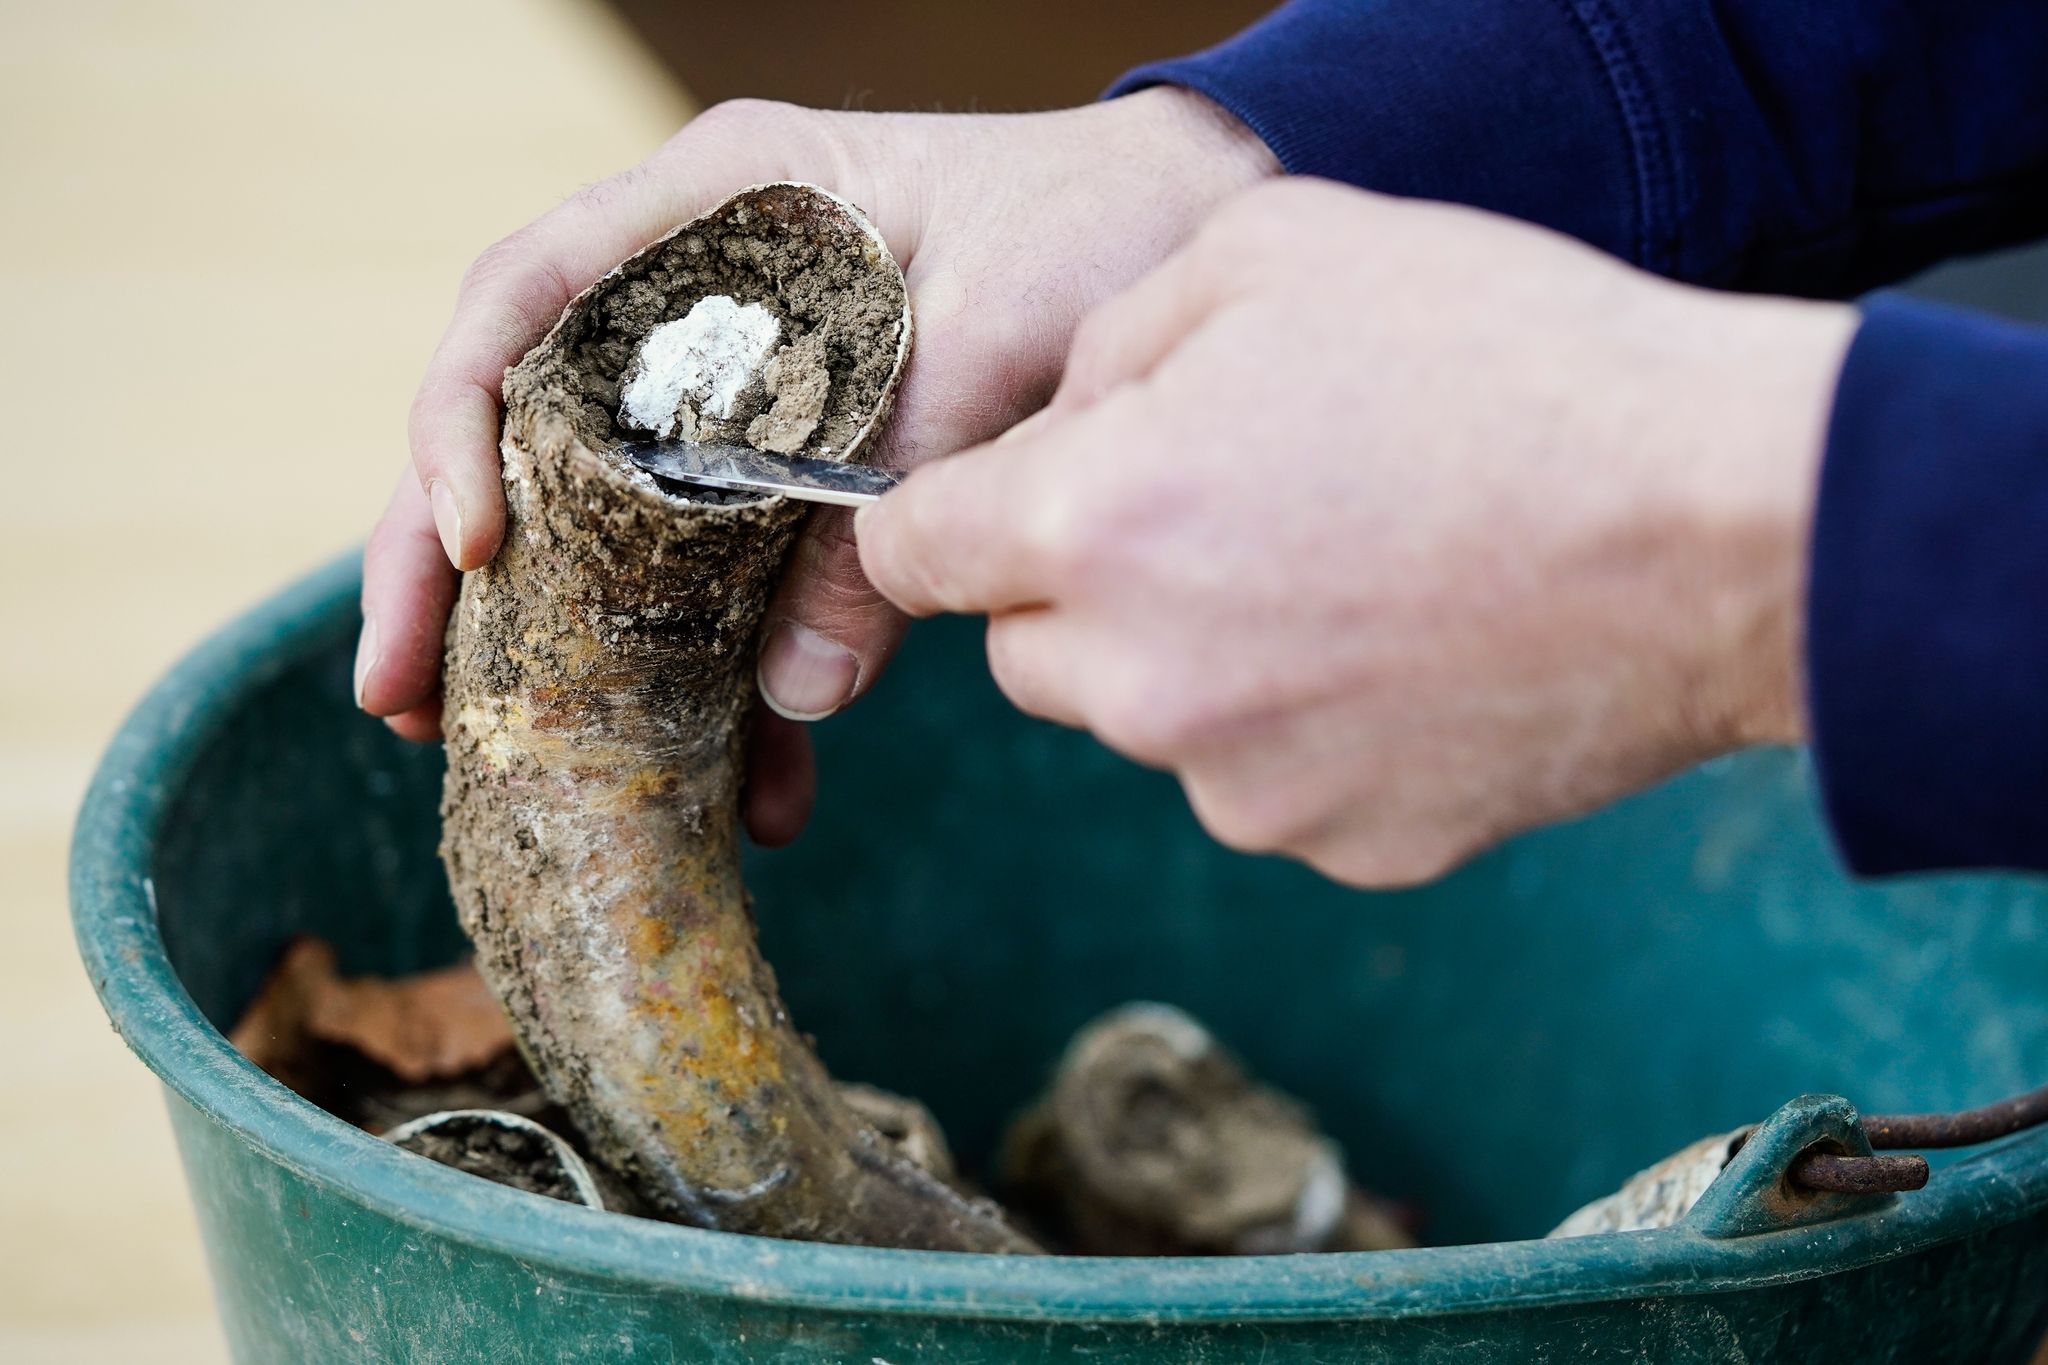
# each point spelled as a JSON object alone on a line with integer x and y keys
{"x": 1393, "y": 528}
{"x": 1009, "y": 227}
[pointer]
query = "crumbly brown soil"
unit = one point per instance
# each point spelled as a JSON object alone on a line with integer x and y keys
{"x": 599, "y": 671}
{"x": 509, "y": 1156}
{"x": 842, "y": 316}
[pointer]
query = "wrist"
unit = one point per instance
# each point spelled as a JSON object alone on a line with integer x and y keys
{"x": 1761, "y": 417}
{"x": 1193, "y": 140}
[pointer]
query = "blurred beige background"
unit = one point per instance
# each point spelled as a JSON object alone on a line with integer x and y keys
{"x": 232, "y": 233}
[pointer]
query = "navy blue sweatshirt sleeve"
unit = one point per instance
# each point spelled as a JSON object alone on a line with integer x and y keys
{"x": 1927, "y": 620}
{"x": 1761, "y": 144}
{"x": 1800, "y": 148}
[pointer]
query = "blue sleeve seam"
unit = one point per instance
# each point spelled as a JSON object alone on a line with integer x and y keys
{"x": 1656, "y": 246}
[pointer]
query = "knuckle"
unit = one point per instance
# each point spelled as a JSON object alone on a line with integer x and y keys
{"x": 828, "y": 547}
{"x": 428, "y": 423}
{"x": 1061, "y": 538}
{"x": 507, "y": 258}
{"x": 1141, "y": 714}
{"x": 780, "y": 139}
{"x": 379, "y": 557}
{"x": 1006, "y": 665}
{"x": 1389, "y": 861}
{"x": 829, "y": 587}
{"x": 1241, "y": 817}
{"x": 510, "y": 295}
{"x": 736, "y": 118}
{"x": 1264, "y": 807}
{"x": 517, "y": 272}
{"x": 1077, "y": 539}
{"x": 388, "y": 540}
{"x": 1127, "y": 726}
{"x": 840, "y": 606}
{"x": 423, "y": 422}
{"x": 1085, "y": 542}
{"x": 419, "y": 419}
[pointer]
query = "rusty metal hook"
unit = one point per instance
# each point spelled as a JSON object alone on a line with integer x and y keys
{"x": 1836, "y": 1173}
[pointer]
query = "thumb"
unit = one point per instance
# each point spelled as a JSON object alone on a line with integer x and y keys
{"x": 967, "y": 534}
{"x": 942, "y": 541}
{"x": 829, "y": 632}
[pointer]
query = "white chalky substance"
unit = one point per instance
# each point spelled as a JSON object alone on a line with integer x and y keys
{"x": 708, "y": 356}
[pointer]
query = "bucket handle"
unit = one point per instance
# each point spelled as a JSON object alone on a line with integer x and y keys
{"x": 1814, "y": 1161}
{"x": 1757, "y": 1190}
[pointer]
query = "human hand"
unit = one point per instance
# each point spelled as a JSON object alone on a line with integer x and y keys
{"x": 1394, "y": 528}
{"x": 1009, "y": 228}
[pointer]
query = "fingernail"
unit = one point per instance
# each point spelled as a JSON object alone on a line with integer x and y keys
{"x": 447, "y": 519}
{"x": 805, "y": 676}
{"x": 367, "y": 655}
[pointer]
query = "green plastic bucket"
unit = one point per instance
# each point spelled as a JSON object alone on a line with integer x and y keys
{"x": 1497, "y": 1048}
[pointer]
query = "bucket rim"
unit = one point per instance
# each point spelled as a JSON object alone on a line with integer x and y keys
{"x": 114, "y": 917}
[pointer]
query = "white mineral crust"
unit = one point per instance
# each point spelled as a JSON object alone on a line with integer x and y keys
{"x": 706, "y": 358}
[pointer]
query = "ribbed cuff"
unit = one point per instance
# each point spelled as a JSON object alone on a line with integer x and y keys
{"x": 1927, "y": 631}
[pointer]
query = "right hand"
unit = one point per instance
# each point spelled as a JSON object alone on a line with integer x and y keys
{"x": 1009, "y": 227}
